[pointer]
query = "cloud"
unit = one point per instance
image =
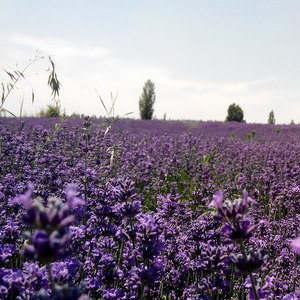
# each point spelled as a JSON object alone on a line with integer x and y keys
{"x": 61, "y": 48}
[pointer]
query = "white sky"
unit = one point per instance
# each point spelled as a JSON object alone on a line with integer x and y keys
{"x": 201, "y": 55}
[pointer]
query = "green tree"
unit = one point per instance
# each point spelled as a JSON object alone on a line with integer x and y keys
{"x": 147, "y": 100}
{"x": 235, "y": 113}
{"x": 52, "y": 111}
{"x": 271, "y": 119}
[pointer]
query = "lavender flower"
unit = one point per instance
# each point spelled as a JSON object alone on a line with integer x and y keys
{"x": 264, "y": 292}
{"x": 295, "y": 245}
{"x": 251, "y": 262}
{"x": 6, "y": 252}
{"x": 87, "y": 122}
{"x": 114, "y": 294}
{"x": 51, "y": 239}
{"x": 291, "y": 296}
{"x": 230, "y": 210}
{"x": 238, "y": 231}
{"x": 148, "y": 235}
{"x": 47, "y": 248}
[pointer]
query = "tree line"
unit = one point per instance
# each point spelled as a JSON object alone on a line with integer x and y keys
{"x": 148, "y": 97}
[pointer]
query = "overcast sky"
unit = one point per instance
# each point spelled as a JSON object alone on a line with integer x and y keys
{"x": 201, "y": 55}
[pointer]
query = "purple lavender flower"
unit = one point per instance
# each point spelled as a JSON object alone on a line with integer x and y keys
{"x": 238, "y": 231}
{"x": 213, "y": 286}
{"x": 51, "y": 239}
{"x": 63, "y": 293}
{"x": 251, "y": 262}
{"x": 25, "y": 199}
{"x": 213, "y": 258}
{"x": 56, "y": 216}
{"x": 10, "y": 232}
{"x": 47, "y": 248}
{"x": 87, "y": 122}
{"x": 148, "y": 235}
{"x": 72, "y": 199}
{"x": 291, "y": 296}
{"x": 230, "y": 210}
{"x": 6, "y": 252}
{"x": 264, "y": 292}
{"x": 114, "y": 294}
{"x": 295, "y": 245}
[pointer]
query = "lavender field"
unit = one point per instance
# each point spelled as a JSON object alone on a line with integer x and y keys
{"x": 148, "y": 210}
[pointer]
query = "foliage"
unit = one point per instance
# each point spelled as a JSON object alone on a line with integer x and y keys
{"x": 147, "y": 100}
{"x": 235, "y": 113}
{"x": 110, "y": 117}
{"x": 76, "y": 115}
{"x": 251, "y": 136}
{"x": 16, "y": 75}
{"x": 52, "y": 111}
{"x": 271, "y": 119}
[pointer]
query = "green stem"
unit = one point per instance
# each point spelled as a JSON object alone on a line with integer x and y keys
{"x": 296, "y": 268}
{"x": 232, "y": 267}
{"x": 253, "y": 287}
{"x": 161, "y": 285}
{"x": 122, "y": 245}
{"x": 251, "y": 277}
{"x": 51, "y": 280}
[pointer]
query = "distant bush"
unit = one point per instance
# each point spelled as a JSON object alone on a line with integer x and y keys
{"x": 52, "y": 111}
{"x": 251, "y": 136}
{"x": 76, "y": 116}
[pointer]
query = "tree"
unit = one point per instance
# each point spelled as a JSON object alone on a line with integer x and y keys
{"x": 147, "y": 100}
{"x": 271, "y": 119}
{"x": 235, "y": 113}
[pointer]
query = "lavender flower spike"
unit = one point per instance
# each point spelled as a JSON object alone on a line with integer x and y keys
{"x": 295, "y": 245}
{"x": 230, "y": 210}
{"x": 25, "y": 199}
{"x": 72, "y": 199}
{"x": 217, "y": 200}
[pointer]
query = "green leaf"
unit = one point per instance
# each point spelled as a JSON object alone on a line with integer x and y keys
{"x": 21, "y": 108}
{"x": 12, "y": 77}
{"x": 19, "y": 74}
{"x": 3, "y": 93}
{"x": 102, "y": 103}
{"x": 113, "y": 104}
{"x": 107, "y": 130}
{"x": 129, "y": 113}
{"x": 112, "y": 156}
{"x": 53, "y": 82}
{"x": 10, "y": 113}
